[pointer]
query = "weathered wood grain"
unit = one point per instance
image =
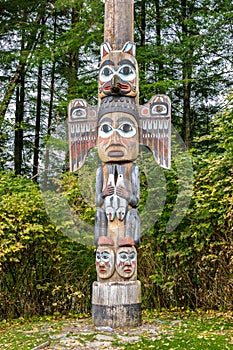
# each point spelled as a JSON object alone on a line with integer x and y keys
{"x": 116, "y": 304}
{"x": 119, "y": 22}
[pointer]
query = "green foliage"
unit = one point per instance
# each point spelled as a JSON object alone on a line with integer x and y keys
{"x": 41, "y": 271}
{"x": 192, "y": 266}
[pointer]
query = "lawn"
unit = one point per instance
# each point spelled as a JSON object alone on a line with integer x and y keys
{"x": 171, "y": 330}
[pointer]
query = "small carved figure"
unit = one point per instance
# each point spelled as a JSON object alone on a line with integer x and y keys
{"x": 118, "y": 73}
{"x": 118, "y": 199}
{"x": 105, "y": 261}
{"x": 116, "y": 202}
{"x": 126, "y": 261}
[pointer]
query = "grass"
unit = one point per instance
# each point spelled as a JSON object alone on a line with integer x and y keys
{"x": 191, "y": 331}
{"x": 175, "y": 330}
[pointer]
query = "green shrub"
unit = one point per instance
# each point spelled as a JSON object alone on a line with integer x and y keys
{"x": 192, "y": 266}
{"x": 41, "y": 270}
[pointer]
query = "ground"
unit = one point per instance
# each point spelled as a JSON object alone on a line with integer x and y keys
{"x": 160, "y": 330}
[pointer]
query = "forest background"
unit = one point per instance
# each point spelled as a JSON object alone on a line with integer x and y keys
{"x": 50, "y": 55}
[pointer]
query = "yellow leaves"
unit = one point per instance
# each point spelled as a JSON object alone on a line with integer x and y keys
{"x": 10, "y": 247}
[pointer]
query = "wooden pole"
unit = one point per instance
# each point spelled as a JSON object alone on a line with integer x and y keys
{"x": 118, "y": 22}
{"x": 119, "y": 121}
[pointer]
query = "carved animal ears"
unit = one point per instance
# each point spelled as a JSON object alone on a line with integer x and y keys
{"x": 129, "y": 47}
{"x": 105, "y": 48}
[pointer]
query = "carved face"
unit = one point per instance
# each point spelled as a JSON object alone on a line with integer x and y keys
{"x": 126, "y": 261}
{"x": 118, "y": 75}
{"x": 104, "y": 261}
{"x": 118, "y": 137}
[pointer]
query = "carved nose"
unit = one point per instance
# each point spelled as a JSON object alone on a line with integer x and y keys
{"x": 115, "y": 89}
{"x": 115, "y": 137}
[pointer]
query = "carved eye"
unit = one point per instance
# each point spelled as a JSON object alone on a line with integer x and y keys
{"x": 106, "y": 130}
{"x": 126, "y": 127}
{"x": 105, "y": 256}
{"x": 159, "y": 108}
{"x": 78, "y": 113}
{"x": 132, "y": 256}
{"x": 126, "y": 72}
{"x": 106, "y": 73}
{"x": 127, "y": 130}
{"x": 123, "y": 257}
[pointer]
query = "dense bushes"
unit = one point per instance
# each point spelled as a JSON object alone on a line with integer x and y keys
{"x": 193, "y": 265}
{"x": 41, "y": 271}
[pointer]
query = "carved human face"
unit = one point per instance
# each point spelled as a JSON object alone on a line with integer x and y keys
{"x": 118, "y": 75}
{"x": 118, "y": 137}
{"x": 104, "y": 262}
{"x": 126, "y": 261}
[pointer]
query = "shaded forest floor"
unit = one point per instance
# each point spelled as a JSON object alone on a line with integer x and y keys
{"x": 164, "y": 330}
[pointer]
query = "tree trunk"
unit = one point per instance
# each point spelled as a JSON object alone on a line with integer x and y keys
{"x": 187, "y": 75}
{"x": 35, "y": 169}
{"x": 19, "y": 114}
{"x": 186, "y": 107}
{"x": 160, "y": 62}
{"x": 29, "y": 48}
{"x": 74, "y": 57}
{"x": 47, "y": 153}
{"x": 38, "y": 121}
{"x": 50, "y": 117}
{"x": 9, "y": 92}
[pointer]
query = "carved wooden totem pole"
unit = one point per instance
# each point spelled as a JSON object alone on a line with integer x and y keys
{"x": 117, "y": 126}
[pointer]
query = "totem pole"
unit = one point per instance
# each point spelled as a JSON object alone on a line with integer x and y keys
{"x": 117, "y": 126}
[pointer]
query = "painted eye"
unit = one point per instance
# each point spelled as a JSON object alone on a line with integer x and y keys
{"x": 105, "y": 131}
{"x": 123, "y": 257}
{"x": 97, "y": 257}
{"x": 78, "y": 113}
{"x": 126, "y": 72}
{"x": 159, "y": 109}
{"x": 127, "y": 130}
{"x": 105, "y": 257}
{"x": 126, "y": 127}
{"x": 132, "y": 256}
{"x": 106, "y": 73}
{"x": 106, "y": 128}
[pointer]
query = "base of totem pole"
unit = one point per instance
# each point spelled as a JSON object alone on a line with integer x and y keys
{"x": 116, "y": 304}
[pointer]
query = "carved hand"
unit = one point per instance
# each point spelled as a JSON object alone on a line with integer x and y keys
{"x": 122, "y": 192}
{"x": 108, "y": 191}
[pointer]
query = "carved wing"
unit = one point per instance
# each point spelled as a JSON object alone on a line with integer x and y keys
{"x": 155, "y": 128}
{"x": 82, "y": 128}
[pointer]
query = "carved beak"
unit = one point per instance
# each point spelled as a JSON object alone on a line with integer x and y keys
{"x": 115, "y": 89}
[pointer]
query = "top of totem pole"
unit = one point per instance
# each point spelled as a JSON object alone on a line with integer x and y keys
{"x": 118, "y": 111}
{"x": 119, "y": 22}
